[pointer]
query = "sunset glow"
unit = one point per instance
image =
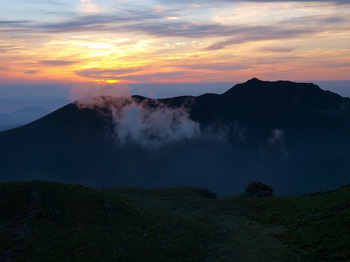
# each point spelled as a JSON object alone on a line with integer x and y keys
{"x": 130, "y": 41}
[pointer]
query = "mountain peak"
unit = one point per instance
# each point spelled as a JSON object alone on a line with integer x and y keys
{"x": 254, "y": 80}
{"x": 272, "y": 97}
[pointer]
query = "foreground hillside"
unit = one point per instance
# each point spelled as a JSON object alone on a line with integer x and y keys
{"x": 47, "y": 221}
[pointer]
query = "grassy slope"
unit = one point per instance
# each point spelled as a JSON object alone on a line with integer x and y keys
{"x": 315, "y": 226}
{"x": 41, "y": 221}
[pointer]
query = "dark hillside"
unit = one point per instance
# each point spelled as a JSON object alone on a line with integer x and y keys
{"x": 41, "y": 221}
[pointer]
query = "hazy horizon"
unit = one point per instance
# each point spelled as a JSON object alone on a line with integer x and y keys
{"x": 54, "y": 96}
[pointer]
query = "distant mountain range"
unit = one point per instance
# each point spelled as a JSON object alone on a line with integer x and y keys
{"x": 21, "y": 117}
{"x": 292, "y": 136}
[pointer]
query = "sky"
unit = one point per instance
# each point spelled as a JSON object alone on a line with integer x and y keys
{"x": 45, "y": 44}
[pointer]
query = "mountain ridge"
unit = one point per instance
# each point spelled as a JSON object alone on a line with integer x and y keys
{"x": 283, "y": 136}
{"x": 22, "y": 116}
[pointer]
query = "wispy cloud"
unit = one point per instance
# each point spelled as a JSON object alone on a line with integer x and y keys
{"x": 4, "y": 49}
{"x": 57, "y": 62}
{"x": 156, "y": 25}
{"x": 277, "y": 49}
{"x": 260, "y": 34}
{"x": 302, "y": 1}
{"x": 13, "y": 22}
{"x": 342, "y": 2}
{"x": 96, "y": 22}
{"x": 130, "y": 75}
{"x": 167, "y": 76}
{"x": 216, "y": 66}
{"x": 31, "y": 72}
{"x": 114, "y": 74}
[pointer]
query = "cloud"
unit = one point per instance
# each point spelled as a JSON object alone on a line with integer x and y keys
{"x": 342, "y": 2}
{"x": 87, "y": 6}
{"x": 5, "y": 49}
{"x": 148, "y": 21}
{"x": 149, "y": 124}
{"x": 277, "y": 49}
{"x": 186, "y": 29}
{"x": 276, "y": 137}
{"x": 157, "y": 26}
{"x": 221, "y": 2}
{"x": 6, "y": 46}
{"x": 331, "y": 64}
{"x": 97, "y": 22}
{"x": 152, "y": 38}
{"x": 263, "y": 33}
{"x": 87, "y": 93}
{"x": 275, "y": 144}
{"x": 216, "y": 66}
{"x": 128, "y": 74}
{"x": 13, "y": 22}
{"x": 286, "y": 1}
{"x": 57, "y": 62}
{"x": 110, "y": 74}
{"x": 31, "y": 72}
{"x": 154, "y": 77}
{"x": 153, "y": 126}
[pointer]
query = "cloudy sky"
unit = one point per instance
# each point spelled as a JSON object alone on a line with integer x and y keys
{"x": 130, "y": 41}
{"x": 133, "y": 42}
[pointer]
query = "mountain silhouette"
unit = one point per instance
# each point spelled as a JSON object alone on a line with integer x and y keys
{"x": 20, "y": 117}
{"x": 292, "y": 136}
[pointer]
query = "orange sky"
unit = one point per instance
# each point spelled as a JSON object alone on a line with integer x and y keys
{"x": 161, "y": 41}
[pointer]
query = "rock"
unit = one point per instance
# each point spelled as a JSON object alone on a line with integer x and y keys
{"x": 259, "y": 189}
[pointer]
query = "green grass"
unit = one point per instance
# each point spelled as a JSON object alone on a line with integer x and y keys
{"x": 316, "y": 226}
{"x": 46, "y": 221}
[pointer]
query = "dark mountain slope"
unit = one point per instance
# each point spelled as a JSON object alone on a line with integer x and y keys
{"x": 260, "y": 106}
{"x": 280, "y": 104}
{"x": 293, "y": 136}
{"x": 55, "y": 144}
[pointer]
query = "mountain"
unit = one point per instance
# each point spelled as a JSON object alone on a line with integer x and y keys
{"x": 293, "y": 136}
{"x": 3, "y": 128}
{"x": 42, "y": 221}
{"x": 21, "y": 116}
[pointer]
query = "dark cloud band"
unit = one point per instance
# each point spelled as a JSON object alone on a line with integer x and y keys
{"x": 57, "y": 62}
